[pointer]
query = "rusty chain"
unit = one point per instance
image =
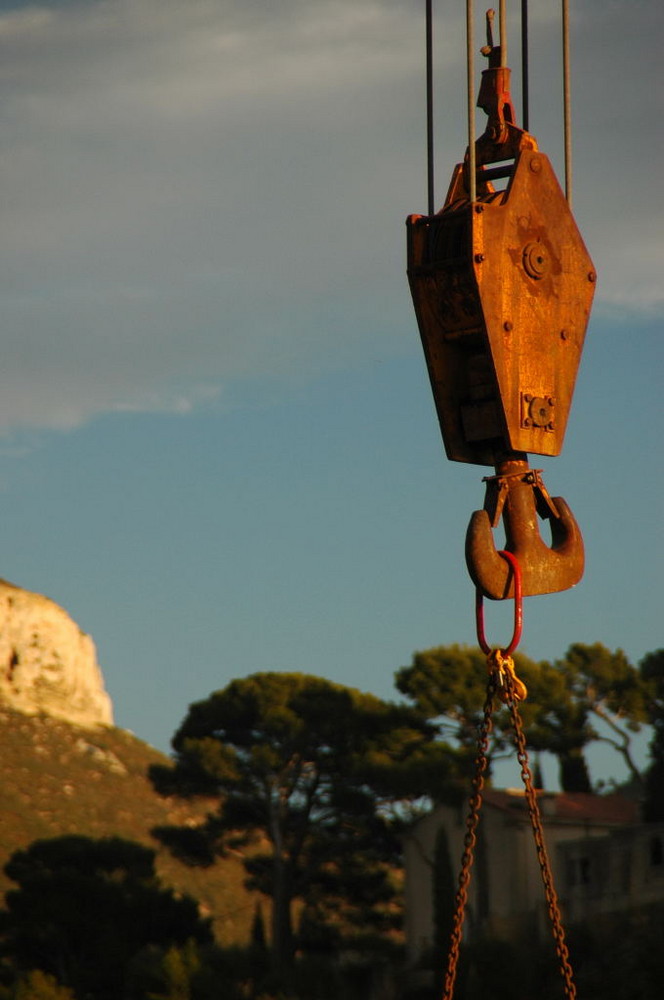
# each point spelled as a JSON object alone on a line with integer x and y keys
{"x": 469, "y": 841}
{"x": 503, "y": 680}
{"x": 542, "y": 856}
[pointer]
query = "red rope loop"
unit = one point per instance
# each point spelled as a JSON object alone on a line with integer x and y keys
{"x": 518, "y": 610}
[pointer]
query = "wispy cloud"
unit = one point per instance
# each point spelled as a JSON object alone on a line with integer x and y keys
{"x": 203, "y": 192}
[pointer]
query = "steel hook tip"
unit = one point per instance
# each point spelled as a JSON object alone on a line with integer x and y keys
{"x": 521, "y": 498}
{"x": 518, "y": 610}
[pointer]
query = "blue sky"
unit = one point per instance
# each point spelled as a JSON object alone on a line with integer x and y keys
{"x": 219, "y": 450}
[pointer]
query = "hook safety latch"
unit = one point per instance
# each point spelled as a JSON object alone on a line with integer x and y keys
{"x": 517, "y": 493}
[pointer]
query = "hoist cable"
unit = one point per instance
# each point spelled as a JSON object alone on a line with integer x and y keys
{"x": 525, "y": 95}
{"x": 429, "y": 48}
{"x": 502, "y": 24}
{"x": 567, "y": 104}
{"x": 470, "y": 71}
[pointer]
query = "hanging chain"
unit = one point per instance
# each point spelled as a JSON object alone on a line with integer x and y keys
{"x": 469, "y": 841}
{"x": 504, "y": 682}
{"x": 542, "y": 856}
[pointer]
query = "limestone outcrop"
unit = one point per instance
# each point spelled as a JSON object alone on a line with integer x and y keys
{"x": 47, "y": 664}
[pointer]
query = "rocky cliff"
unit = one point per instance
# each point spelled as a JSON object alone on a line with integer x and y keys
{"x": 47, "y": 664}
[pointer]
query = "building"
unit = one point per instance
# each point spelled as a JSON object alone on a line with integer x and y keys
{"x": 603, "y": 860}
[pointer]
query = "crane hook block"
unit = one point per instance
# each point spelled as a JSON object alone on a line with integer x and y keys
{"x": 502, "y": 289}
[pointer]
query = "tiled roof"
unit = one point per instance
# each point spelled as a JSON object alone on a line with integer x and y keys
{"x": 569, "y": 807}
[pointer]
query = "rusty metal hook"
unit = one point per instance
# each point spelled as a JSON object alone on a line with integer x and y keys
{"x": 519, "y": 495}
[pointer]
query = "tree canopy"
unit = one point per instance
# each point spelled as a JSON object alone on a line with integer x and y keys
{"x": 591, "y": 694}
{"x": 652, "y": 673}
{"x": 305, "y": 770}
{"x": 84, "y": 909}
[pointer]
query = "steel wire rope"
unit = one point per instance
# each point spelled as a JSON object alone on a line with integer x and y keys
{"x": 567, "y": 103}
{"x": 525, "y": 85}
{"x": 430, "y": 152}
{"x": 470, "y": 78}
{"x": 502, "y": 25}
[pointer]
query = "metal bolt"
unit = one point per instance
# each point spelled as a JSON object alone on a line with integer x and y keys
{"x": 528, "y": 397}
{"x": 535, "y": 164}
{"x": 527, "y": 422}
{"x": 507, "y": 325}
{"x": 550, "y": 426}
{"x": 479, "y": 257}
{"x": 479, "y": 209}
{"x": 592, "y": 277}
{"x": 564, "y": 334}
{"x": 536, "y": 260}
{"x": 552, "y": 401}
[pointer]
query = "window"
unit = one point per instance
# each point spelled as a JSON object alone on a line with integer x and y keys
{"x": 579, "y": 871}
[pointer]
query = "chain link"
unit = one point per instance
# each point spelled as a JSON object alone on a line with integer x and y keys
{"x": 542, "y": 856}
{"x": 510, "y": 693}
{"x": 469, "y": 841}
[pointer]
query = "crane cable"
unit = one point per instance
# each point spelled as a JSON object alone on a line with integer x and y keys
{"x": 567, "y": 104}
{"x": 525, "y": 91}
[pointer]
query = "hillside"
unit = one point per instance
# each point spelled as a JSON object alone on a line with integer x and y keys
{"x": 57, "y": 778}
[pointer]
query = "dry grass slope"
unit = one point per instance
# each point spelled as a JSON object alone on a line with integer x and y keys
{"x": 56, "y": 778}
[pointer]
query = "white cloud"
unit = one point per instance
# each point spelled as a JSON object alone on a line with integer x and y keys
{"x": 197, "y": 193}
